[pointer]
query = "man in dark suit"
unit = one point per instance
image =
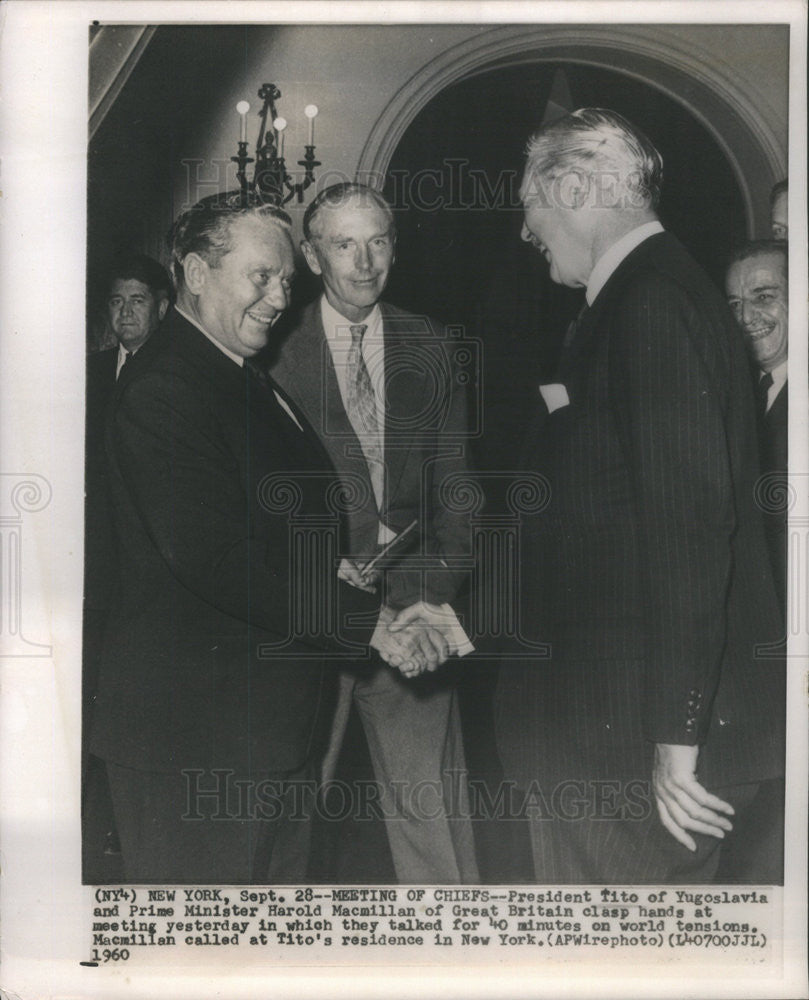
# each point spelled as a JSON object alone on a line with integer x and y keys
{"x": 380, "y": 387}
{"x": 647, "y": 572}
{"x": 139, "y": 292}
{"x": 216, "y": 666}
{"x": 757, "y": 287}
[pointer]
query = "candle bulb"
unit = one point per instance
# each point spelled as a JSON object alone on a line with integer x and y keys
{"x": 279, "y": 125}
{"x": 311, "y": 113}
{"x": 243, "y": 107}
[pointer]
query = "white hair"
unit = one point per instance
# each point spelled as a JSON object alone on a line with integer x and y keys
{"x": 591, "y": 141}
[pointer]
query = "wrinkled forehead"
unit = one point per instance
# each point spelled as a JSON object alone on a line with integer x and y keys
{"x": 127, "y": 287}
{"x": 254, "y": 236}
{"x": 356, "y": 209}
{"x": 756, "y": 273}
{"x": 532, "y": 187}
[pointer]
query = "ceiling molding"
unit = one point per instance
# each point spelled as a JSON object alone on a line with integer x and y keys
{"x": 114, "y": 53}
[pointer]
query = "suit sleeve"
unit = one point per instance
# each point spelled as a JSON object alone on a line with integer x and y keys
{"x": 187, "y": 488}
{"x": 450, "y": 528}
{"x": 446, "y": 533}
{"x": 670, "y": 411}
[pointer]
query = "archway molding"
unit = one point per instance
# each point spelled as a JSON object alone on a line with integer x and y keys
{"x": 713, "y": 92}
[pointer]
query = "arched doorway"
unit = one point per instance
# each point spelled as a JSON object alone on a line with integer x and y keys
{"x": 453, "y": 179}
{"x": 455, "y": 174}
{"x": 682, "y": 64}
{"x": 724, "y": 145}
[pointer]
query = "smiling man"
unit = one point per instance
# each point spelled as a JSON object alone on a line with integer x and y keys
{"x": 647, "y": 571}
{"x": 379, "y": 386}
{"x": 757, "y": 287}
{"x": 210, "y": 699}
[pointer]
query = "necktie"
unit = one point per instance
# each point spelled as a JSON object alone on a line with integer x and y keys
{"x": 568, "y": 351}
{"x": 362, "y": 414}
{"x": 573, "y": 326}
{"x": 762, "y": 393}
{"x": 127, "y": 359}
{"x": 255, "y": 370}
{"x": 266, "y": 384}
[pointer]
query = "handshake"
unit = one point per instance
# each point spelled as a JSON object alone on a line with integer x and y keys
{"x": 416, "y": 639}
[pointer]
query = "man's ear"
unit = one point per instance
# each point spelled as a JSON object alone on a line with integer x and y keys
{"x": 310, "y": 254}
{"x": 579, "y": 190}
{"x": 195, "y": 273}
{"x": 162, "y": 308}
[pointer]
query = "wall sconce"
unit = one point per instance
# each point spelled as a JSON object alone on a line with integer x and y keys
{"x": 270, "y": 182}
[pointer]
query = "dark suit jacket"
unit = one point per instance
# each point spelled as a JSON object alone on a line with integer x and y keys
{"x": 425, "y": 442}
{"x": 100, "y": 557}
{"x": 100, "y": 548}
{"x": 648, "y": 570}
{"x": 206, "y": 560}
{"x": 774, "y": 459}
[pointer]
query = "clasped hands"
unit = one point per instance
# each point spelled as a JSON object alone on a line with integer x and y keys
{"x": 413, "y": 640}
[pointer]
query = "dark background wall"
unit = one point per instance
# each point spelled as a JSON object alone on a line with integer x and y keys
{"x": 136, "y": 153}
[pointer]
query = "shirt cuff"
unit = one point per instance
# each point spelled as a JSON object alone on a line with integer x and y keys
{"x": 459, "y": 642}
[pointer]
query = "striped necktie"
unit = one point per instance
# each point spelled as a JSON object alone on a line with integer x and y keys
{"x": 362, "y": 413}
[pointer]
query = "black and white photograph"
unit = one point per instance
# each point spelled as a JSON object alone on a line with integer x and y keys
{"x": 416, "y": 502}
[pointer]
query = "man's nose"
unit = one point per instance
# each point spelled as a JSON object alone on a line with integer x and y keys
{"x": 362, "y": 258}
{"x": 525, "y": 234}
{"x": 126, "y": 308}
{"x": 277, "y": 295}
{"x": 749, "y": 313}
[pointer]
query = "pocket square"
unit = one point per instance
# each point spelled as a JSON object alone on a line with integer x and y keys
{"x": 555, "y": 396}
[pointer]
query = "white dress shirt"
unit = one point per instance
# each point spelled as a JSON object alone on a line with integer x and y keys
{"x": 123, "y": 354}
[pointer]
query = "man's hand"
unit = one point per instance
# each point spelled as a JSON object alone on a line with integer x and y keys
{"x": 391, "y": 648}
{"x": 411, "y": 647}
{"x": 430, "y": 628}
{"x": 351, "y": 572}
{"x": 682, "y": 803}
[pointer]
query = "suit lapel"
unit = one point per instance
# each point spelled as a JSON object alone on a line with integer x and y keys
{"x": 307, "y": 373}
{"x": 589, "y": 321}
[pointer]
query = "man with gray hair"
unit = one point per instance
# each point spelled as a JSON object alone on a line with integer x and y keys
{"x": 647, "y": 572}
{"x": 215, "y": 670}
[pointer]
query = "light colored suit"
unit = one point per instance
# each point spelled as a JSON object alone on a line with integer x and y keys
{"x": 412, "y": 726}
